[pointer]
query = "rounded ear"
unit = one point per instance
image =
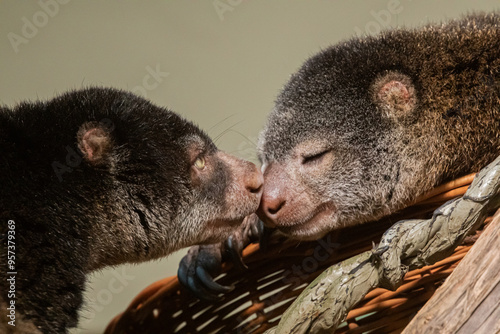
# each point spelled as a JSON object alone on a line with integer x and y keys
{"x": 94, "y": 141}
{"x": 394, "y": 93}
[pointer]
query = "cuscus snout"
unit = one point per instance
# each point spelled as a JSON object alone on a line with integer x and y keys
{"x": 274, "y": 195}
{"x": 247, "y": 177}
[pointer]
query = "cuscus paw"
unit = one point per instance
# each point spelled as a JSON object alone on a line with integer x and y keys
{"x": 202, "y": 264}
{"x": 198, "y": 269}
{"x": 252, "y": 230}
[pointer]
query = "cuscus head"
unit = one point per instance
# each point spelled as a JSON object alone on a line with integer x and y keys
{"x": 328, "y": 149}
{"x": 174, "y": 179}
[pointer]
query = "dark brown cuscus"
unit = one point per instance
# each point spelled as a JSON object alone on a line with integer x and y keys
{"x": 99, "y": 177}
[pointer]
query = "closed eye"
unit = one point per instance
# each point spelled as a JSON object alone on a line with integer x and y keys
{"x": 315, "y": 158}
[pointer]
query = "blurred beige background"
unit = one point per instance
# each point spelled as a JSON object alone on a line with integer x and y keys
{"x": 219, "y": 63}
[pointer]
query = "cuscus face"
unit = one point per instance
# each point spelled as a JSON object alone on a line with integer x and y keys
{"x": 183, "y": 190}
{"x": 314, "y": 186}
{"x": 328, "y": 151}
{"x": 223, "y": 191}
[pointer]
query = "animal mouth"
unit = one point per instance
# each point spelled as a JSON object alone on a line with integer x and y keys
{"x": 228, "y": 222}
{"x": 235, "y": 217}
{"x": 311, "y": 224}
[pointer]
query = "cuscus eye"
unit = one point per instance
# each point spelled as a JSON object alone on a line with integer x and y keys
{"x": 314, "y": 158}
{"x": 199, "y": 163}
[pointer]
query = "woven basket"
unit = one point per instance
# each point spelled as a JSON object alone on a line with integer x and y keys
{"x": 275, "y": 278}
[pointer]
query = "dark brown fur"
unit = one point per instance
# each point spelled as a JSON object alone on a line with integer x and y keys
{"x": 99, "y": 177}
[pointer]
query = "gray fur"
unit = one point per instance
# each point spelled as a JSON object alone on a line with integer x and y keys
{"x": 438, "y": 118}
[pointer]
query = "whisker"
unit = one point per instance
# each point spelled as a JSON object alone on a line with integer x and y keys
{"x": 220, "y": 122}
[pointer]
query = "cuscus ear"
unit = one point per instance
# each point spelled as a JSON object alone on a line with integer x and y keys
{"x": 394, "y": 93}
{"x": 95, "y": 142}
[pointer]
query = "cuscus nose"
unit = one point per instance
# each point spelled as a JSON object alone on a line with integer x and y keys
{"x": 253, "y": 179}
{"x": 273, "y": 198}
{"x": 270, "y": 206}
{"x": 248, "y": 177}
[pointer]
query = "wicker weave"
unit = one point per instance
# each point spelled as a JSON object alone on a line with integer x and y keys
{"x": 275, "y": 278}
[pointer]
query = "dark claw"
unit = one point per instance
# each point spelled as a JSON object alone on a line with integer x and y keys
{"x": 265, "y": 237}
{"x": 202, "y": 263}
{"x": 253, "y": 231}
{"x": 234, "y": 252}
{"x": 197, "y": 269}
{"x": 209, "y": 282}
{"x": 257, "y": 231}
{"x": 200, "y": 291}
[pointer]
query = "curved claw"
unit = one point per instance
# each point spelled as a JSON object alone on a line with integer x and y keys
{"x": 265, "y": 236}
{"x": 209, "y": 282}
{"x": 197, "y": 269}
{"x": 200, "y": 292}
{"x": 253, "y": 231}
{"x": 234, "y": 253}
{"x": 257, "y": 231}
{"x": 202, "y": 263}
